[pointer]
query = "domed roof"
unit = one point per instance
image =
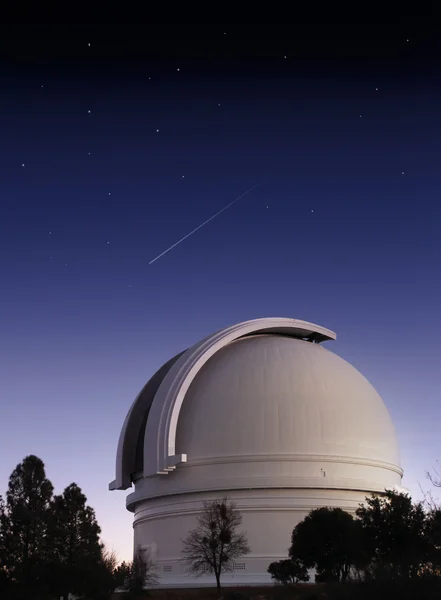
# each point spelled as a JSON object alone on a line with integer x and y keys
{"x": 263, "y": 390}
{"x": 272, "y": 394}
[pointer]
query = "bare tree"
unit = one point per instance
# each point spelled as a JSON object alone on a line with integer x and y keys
{"x": 435, "y": 477}
{"x": 108, "y": 564}
{"x": 214, "y": 545}
{"x": 109, "y": 558}
{"x": 430, "y": 502}
{"x": 142, "y": 572}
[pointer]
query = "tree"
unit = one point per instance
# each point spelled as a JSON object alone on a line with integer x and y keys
{"x": 288, "y": 571}
{"x": 214, "y": 545}
{"x": 142, "y": 571}
{"x": 327, "y": 540}
{"x": 435, "y": 477}
{"x": 25, "y": 524}
{"x": 77, "y": 554}
{"x": 4, "y": 580}
{"x": 121, "y": 575}
{"x": 109, "y": 558}
{"x": 430, "y": 502}
{"x": 103, "y": 580}
{"x": 433, "y": 537}
{"x": 395, "y": 533}
{"x": 49, "y": 545}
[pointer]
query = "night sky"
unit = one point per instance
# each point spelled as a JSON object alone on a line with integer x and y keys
{"x": 117, "y": 141}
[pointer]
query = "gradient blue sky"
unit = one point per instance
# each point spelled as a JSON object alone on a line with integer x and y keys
{"x": 343, "y": 231}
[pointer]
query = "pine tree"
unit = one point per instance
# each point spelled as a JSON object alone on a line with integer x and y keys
{"x": 77, "y": 552}
{"x": 25, "y": 524}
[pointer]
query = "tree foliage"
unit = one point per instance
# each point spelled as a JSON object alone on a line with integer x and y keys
{"x": 392, "y": 539}
{"x": 76, "y": 548}
{"x": 328, "y": 540}
{"x": 49, "y": 545}
{"x": 288, "y": 571}
{"x": 141, "y": 572}
{"x": 433, "y": 534}
{"x": 25, "y": 524}
{"x": 121, "y": 575}
{"x": 396, "y": 535}
{"x": 3, "y": 556}
{"x": 102, "y": 576}
{"x": 215, "y": 544}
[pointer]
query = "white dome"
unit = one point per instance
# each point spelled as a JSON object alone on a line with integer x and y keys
{"x": 262, "y": 413}
{"x": 270, "y": 395}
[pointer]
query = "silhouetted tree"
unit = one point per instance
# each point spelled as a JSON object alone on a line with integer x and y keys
{"x": 25, "y": 525}
{"x": 288, "y": 571}
{"x": 4, "y": 579}
{"x": 214, "y": 545}
{"x": 49, "y": 545}
{"x": 102, "y": 578}
{"x": 435, "y": 476}
{"x": 395, "y": 536}
{"x": 121, "y": 575}
{"x": 77, "y": 555}
{"x": 142, "y": 572}
{"x": 328, "y": 539}
{"x": 433, "y": 537}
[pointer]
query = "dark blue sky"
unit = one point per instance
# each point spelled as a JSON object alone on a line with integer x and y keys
{"x": 343, "y": 136}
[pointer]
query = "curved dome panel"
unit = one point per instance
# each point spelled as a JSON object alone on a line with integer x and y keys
{"x": 160, "y": 455}
{"x": 276, "y": 395}
{"x": 130, "y": 453}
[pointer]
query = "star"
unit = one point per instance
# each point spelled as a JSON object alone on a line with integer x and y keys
{"x": 402, "y": 172}
{"x": 407, "y": 40}
{"x": 285, "y": 56}
{"x": 50, "y": 232}
{"x": 376, "y": 89}
{"x": 65, "y": 265}
{"x": 88, "y": 154}
{"x": 312, "y": 210}
{"x": 219, "y": 104}
{"x": 50, "y": 256}
{"x": 267, "y": 206}
{"x": 107, "y": 242}
{"x": 22, "y": 164}
{"x": 110, "y": 193}
{"x": 361, "y": 116}
{"x": 157, "y": 131}
{"x": 182, "y": 176}
{"x": 89, "y": 111}
{"x": 88, "y": 44}
{"x": 41, "y": 86}
{"x": 178, "y": 69}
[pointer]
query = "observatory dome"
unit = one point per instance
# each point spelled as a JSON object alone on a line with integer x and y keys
{"x": 260, "y": 412}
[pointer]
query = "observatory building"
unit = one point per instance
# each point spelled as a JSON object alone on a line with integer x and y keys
{"x": 260, "y": 412}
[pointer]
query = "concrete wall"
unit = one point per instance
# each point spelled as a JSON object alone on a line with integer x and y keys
{"x": 269, "y": 516}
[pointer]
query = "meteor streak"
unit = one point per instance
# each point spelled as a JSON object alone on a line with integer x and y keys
{"x": 204, "y": 223}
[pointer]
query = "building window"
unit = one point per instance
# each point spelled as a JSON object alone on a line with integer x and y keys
{"x": 239, "y": 566}
{"x": 167, "y": 568}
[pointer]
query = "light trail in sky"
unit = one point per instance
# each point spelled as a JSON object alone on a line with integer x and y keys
{"x": 204, "y": 223}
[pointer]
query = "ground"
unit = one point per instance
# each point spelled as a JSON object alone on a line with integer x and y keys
{"x": 300, "y": 592}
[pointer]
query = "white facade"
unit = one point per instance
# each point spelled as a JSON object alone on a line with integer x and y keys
{"x": 264, "y": 414}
